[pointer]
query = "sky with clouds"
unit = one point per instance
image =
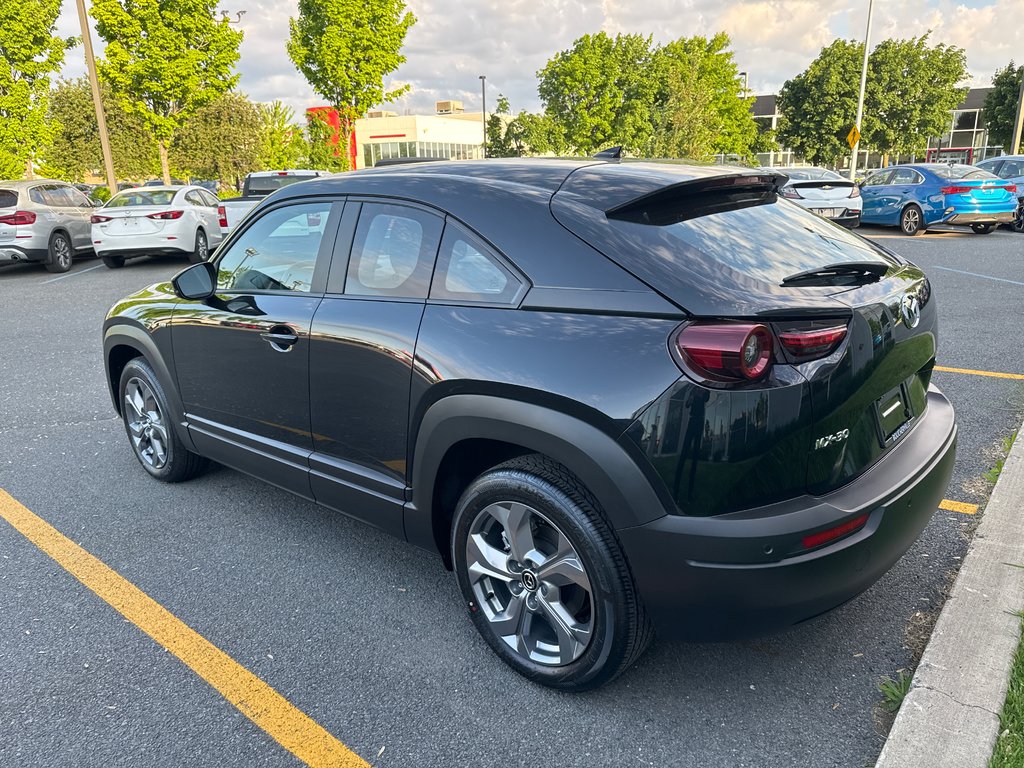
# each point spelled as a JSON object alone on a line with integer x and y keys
{"x": 455, "y": 41}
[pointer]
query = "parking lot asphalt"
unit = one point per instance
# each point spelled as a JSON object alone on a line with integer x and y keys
{"x": 366, "y": 634}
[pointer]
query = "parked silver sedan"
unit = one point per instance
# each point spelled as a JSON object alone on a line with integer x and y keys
{"x": 43, "y": 221}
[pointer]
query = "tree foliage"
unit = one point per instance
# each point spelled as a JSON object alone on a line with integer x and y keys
{"x": 1001, "y": 105}
{"x": 29, "y": 54}
{"x": 911, "y": 88}
{"x": 324, "y": 153}
{"x": 221, "y": 141}
{"x": 345, "y": 49}
{"x": 75, "y": 149}
{"x": 282, "y": 144}
{"x": 522, "y": 135}
{"x": 165, "y": 60}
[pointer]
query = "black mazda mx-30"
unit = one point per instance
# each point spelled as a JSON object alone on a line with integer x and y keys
{"x": 613, "y": 396}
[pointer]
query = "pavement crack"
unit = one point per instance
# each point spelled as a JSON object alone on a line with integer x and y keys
{"x": 955, "y": 700}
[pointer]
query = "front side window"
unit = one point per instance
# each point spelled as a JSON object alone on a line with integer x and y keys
{"x": 467, "y": 271}
{"x": 278, "y": 252}
{"x": 393, "y": 251}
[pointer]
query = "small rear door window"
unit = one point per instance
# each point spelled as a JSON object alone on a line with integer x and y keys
{"x": 8, "y": 198}
{"x": 467, "y": 270}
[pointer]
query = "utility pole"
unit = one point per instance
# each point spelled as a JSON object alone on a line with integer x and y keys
{"x": 1018, "y": 124}
{"x": 863, "y": 85}
{"x": 483, "y": 109}
{"x": 101, "y": 120}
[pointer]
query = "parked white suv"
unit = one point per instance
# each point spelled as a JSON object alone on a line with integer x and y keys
{"x": 43, "y": 221}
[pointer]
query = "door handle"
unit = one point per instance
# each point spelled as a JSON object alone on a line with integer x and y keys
{"x": 280, "y": 337}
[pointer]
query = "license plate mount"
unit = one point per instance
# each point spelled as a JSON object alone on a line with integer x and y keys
{"x": 894, "y": 415}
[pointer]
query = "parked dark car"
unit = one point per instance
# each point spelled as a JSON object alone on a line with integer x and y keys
{"x": 612, "y": 396}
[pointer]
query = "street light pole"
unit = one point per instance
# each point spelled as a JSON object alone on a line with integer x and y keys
{"x": 1018, "y": 124}
{"x": 863, "y": 85}
{"x": 744, "y": 76}
{"x": 101, "y": 120}
{"x": 483, "y": 109}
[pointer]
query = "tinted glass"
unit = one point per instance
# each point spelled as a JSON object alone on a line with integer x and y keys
{"x": 77, "y": 198}
{"x": 193, "y": 197}
{"x": 467, "y": 270}
{"x": 264, "y": 185}
{"x": 141, "y": 196}
{"x": 40, "y": 195}
{"x": 960, "y": 172}
{"x": 905, "y": 176}
{"x": 878, "y": 179}
{"x": 810, "y": 174}
{"x": 393, "y": 252}
{"x": 1012, "y": 168}
{"x": 278, "y": 252}
{"x": 8, "y": 198}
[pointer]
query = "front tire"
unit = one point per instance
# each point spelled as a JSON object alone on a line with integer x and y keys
{"x": 202, "y": 249}
{"x": 59, "y": 253}
{"x": 982, "y": 229}
{"x": 912, "y": 221}
{"x": 148, "y": 421}
{"x": 544, "y": 577}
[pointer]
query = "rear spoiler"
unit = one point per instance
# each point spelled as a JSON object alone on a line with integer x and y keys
{"x": 700, "y": 197}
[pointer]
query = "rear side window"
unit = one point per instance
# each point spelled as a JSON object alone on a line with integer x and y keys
{"x": 467, "y": 270}
{"x": 1012, "y": 168}
{"x": 393, "y": 252}
{"x": 8, "y": 198}
{"x": 41, "y": 196}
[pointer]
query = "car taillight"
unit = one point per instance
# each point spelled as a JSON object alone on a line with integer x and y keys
{"x": 97, "y": 219}
{"x": 855, "y": 192}
{"x": 18, "y": 218}
{"x": 815, "y": 342}
{"x": 164, "y": 215}
{"x": 223, "y": 216}
{"x": 791, "y": 193}
{"x": 727, "y": 351}
{"x": 1010, "y": 187}
{"x": 831, "y": 534}
{"x": 955, "y": 190}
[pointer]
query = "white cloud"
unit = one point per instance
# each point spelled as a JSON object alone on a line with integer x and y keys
{"x": 455, "y": 41}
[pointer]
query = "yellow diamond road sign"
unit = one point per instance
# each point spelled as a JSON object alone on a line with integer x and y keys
{"x": 853, "y": 137}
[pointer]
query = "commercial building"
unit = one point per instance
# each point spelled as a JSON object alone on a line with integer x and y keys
{"x": 966, "y": 141}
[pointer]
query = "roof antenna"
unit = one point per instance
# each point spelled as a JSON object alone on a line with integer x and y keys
{"x": 612, "y": 153}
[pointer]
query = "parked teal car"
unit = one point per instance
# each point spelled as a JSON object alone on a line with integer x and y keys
{"x": 915, "y": 197}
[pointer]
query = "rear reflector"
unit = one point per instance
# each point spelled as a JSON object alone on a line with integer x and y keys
{"x": 727, "y": 350}
{"x": 223, "y": 217}
{"x": 824, "y": 537}
{"x": 97, "y": 219}
{"x": 18, "y": 218}
{"x": 813, "y": 342}
{"x": 955, "y": 190}
{"x": 165, "y": 215}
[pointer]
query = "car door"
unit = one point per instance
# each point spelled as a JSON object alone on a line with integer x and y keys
{"x": 242, "y": 356}
{"x": 361, "y": 358}
{"x": 79, "y": 212}
{"x": 871, "y": 191}
{"x": 207, "y": 214}
{"x": 903, "y": 189}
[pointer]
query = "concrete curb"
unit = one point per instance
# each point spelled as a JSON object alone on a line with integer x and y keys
{"x": 950, "y": 717}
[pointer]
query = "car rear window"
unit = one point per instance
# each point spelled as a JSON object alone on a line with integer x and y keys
{"x": 8, "y": 198}
{"x": 142, "y": 196}
{"x": 264, "y": 185}
{"x": 961, "y": 172}
{"x": 810, "y": 174}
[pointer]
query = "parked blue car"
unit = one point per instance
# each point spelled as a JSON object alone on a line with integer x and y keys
{"x": 915, "y": 197}
{"x": 1009, "y": 168}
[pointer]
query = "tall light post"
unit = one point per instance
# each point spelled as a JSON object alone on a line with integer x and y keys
{"x": 744, "y": 76}
{"x": 483, "y": 109}
{"x": 101, "y": 120}
{"x": 1018, "y": 124}
{"x": 860, "y": 100}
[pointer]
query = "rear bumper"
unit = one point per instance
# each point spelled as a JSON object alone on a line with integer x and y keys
{"x": 10, "y": 254}
{"x": 132, "y": 253}
{"x": 722, "y": 577}
{"x": 1005, "y": 217}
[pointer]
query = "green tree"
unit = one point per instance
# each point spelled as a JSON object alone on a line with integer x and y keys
{"x": 75, "y": 149}
{"x": 221, "y": 141}
{"x": 29, "y": 54}
{"x": 345, "y": 49}
{"x": 912, "y": 88}
{"x": 281, "y": 142}
{"x": 324, "y": 151}
{"x": 818, "y": 107}
{"x": 600, "y": 92}
{"x": 1001, "y": 106}
{"x": 522, "y": 135}
{"x": 166, "y": 60}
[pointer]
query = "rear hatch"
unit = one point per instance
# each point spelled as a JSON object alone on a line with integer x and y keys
{"x": 131, "y": 221}
{"x": 8, "y": 207}
{"x": 829, "y": 197}
{"x": 727, "y": 247}
{"x": 975, "y": 193}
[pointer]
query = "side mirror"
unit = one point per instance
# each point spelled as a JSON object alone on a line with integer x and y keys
{"x": 196, "y": 282}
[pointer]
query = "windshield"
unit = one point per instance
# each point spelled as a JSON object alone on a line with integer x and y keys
{"x": 961, "y": 172}
{"x": 264, "y": 185}
{"x": 810, "y": 174}
{"x": 137, "y": 197}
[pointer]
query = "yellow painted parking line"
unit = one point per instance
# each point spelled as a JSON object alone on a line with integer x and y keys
{"x": 995, "y": 374}
{"x": 959, "y": 506}
{"x": 285, "y": 723}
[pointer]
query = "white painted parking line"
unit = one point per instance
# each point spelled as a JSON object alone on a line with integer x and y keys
{"x": 71, "y": 274}
{"x": 975, "y": 274}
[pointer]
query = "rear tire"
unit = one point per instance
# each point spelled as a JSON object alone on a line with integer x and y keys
{"x": 544, "y": 577}
{"x": 113, "y": 262}
{"x": 982, "y": 229}
{"x": 1018, "y": 219}
{"x": 202, "y": 249}
{"x": 912, "y": 221}
{"x": 59, "y": 253}
{"x": 149, "y": 423}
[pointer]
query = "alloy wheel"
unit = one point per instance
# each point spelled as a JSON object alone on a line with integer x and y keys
{"x": 145, "y": 422}
{"x": 911, "y": 220}
{"x": 62, "y": 252}
{"x": 530, "y": 583}
{"x": 202, "y": 247}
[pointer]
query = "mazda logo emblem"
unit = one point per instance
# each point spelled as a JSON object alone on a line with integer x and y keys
{"x": 910, "y": 309}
